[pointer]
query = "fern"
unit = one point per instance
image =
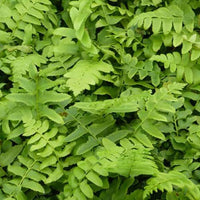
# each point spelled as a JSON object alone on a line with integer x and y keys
{"x": 86, "y": 73}
{"x": 109, "y": 159}
{"x": 166, "y": 18}
{"x": 117, "y": 105}
{"x": 99, "y": 100}
{"x": 166, "y": 181}
{"x": 89, "y": 130}
{"x": 37, "y": 96}
{"x": 26, "y": 174}
{"x": 181, "y": 64}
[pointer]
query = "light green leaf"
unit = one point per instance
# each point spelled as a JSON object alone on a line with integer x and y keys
{"x": 65, "y": 32}
{"x": 78, "y": 173}
{"x": 35, "y": 13}
{"x": 41, "y": 7}
{"x": 177, "y": 22}
{"x": 152, "y": 130}
{"x": 51, "y": 114}
{"x": 195, "y": 54}
{"x": 188, "y": 75}
{"x": 30, "y": 19}
{"x": 86, "y": 189}
{"x": 17, "y": 170}
{"x": 55, "y": 175}
{"x": 5, "y": 37}
{"x": 36, "y": 176}
{"x": 165, "y": 107}
{"x": 157, "y": 116}
{"x": 147, "y": 23}
{"x": 143, "y": 139}
{"x": 27, "y": 84}
{"x": 49, "y": 161}
{"x": 187, "y": 46}
{"x": 156, "y": 25}
{"x": 32, "y": 185}
{"x": 50, "y": 134}
{"x": 27, "y": 99}
{"x": 94, "y": 178}
{"x": 86, "y": 73}
{"x": 80, "y": 131}
{"x": 40, "y": 144}
{"x": 177, "y": 40}
{"x": 120, "y": 105}
{"x": 167, "y": 25}
{"x": 51, "y": 96}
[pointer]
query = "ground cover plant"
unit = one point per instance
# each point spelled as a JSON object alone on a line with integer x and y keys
{"x": 99, "y": 99}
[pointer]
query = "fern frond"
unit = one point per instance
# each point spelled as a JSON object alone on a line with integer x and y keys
{"x": 166, "y": 17}
{"x": 125, "y": 160}
{"x": 79, "y": 16}
{"x": 89, "y": 128}
{"x": 25, "y": 175}
{"x": 156, "y": 110}
{"x": 181, "y": 64}
{"x": 86, "y": 73}
{"x": 117, "y": 189}
{"x": 123, "y": 104}
{"x": 38, "y": 97}
{"x": 167, "y": 181}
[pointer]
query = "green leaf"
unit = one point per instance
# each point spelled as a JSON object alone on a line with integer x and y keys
{"x": 85, "y": 147}
{"x": 30, "y": 19}
{"x": 195, "y": 54}
{"x": 51, "y": 96}
{"x": 165, "y": 107}
{"x": 26, "y": 84}
{"x": 86, "y": 189}
{"x": 80, "y": 131}
{"x": 17, "y": 170}
{"x": 40, "y": 144}
{"x": 67, "y": 32}
{"x": 152, "y": 130}
{"x": 51, "y": 114}
{"x": 187, "y": 46}
{"x": 143, "y": 139}
{"x": 101, "y": 171}
{"x": 147, "y": 23}
{"x": 157, "y": 116}
{"x": 55, "y": 175}
{"x": 117, "y": 105}
{"x": 26, "y": 99}
{"x": 9, "y": 156}
{"x": 32, "y": 185}
{"x": 167, "y": 25}
{"x": 94, "y": 178}
{"x": 177, "y": 40}
{"x": 156, "y": 25}
{"x": 157, "y": 43}
{"x": 188, "y": 75}
{"x": 86, "y": 73}
{"x": 5, "y": 37}
{"x": 35, "y": 13}
{"x": 177, "y": 23}
{"x": 49, "y": 161}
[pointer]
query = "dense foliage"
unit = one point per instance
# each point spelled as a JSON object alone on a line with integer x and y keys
{"x": 99, "y": 99}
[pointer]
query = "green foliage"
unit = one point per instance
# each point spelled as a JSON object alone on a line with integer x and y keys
{"x": 84, "y": 74}
{"x": 99, "y": 99}
{"x": 166, "y": 182}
